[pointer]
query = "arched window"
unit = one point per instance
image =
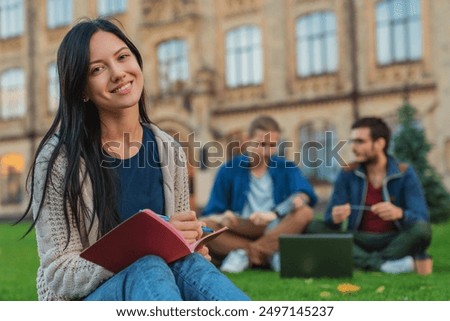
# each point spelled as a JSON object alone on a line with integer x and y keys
{"x": 244, "y": 61}
{"x": 319, "y": 159}
{"x": 110, "y": 7}
{"x": 307, "y": 154}
{"x": 399, "y": 31}
{"x": 11, "y": 18}
{"x": 59, "y": 13}
{"x": 12, "y": 93}
{"x": 317, "y": 51}
{"x": 172, "y": 63}
{"x": 53, "y": 87}
{"x": 12, "y": 166}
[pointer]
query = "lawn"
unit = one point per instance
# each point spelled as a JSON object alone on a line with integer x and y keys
{"x": 19, "y": 261}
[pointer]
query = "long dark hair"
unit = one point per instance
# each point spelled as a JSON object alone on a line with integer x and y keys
{"x": 77, "y": 125}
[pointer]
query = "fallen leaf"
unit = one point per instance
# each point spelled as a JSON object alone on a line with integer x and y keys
{"x": 348, "y": 288}
{"x": 325, "y": 294}
{"x": 380, "y": 289}
{"x": 425, "y": 287}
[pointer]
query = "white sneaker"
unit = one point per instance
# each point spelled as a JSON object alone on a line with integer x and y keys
{"x": 403, "y": 265}
{"x": 275, "y": 262}
{"x": 236, "y": 261}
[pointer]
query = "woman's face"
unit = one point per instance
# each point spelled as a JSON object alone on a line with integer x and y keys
{"x": 115, "y": 81}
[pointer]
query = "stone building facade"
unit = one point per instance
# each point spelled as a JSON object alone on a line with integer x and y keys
{"x": 211, "y": 66}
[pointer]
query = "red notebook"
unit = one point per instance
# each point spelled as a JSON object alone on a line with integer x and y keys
{"x": 142, "y": 234}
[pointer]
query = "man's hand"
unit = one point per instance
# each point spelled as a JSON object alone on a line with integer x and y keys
{"x": 387, "y": 211}
{"x": 188, "y": 225}
{"x": 340, "y": 213}
{"x": 262, "y": 218}
{"x": 300, "y": 200}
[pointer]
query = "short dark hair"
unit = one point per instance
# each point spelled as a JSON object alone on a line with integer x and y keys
{"x": 265, "y": 123}
{"x": 378, "y": 129}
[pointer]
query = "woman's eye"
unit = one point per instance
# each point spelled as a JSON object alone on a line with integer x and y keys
{"x": 123, "y": 56}
{"x": 96, "y": 70}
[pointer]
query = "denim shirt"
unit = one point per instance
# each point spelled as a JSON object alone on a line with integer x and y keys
{"x": 401, "y": 186}
{"x": 232, "y": 184}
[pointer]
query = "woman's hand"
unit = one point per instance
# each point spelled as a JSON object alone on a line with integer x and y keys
{"x": 191, "y": 229}
{"x": 205, "y": 252}
{"x": 188, "y": 225}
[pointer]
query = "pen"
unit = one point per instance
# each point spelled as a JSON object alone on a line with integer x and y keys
{"x": 205, "y": 229}
{"x": 361, "y": 207}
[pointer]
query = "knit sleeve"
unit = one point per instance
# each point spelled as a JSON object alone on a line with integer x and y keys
{"x": 181, "y": 181}
{"x": 62, "y": 273}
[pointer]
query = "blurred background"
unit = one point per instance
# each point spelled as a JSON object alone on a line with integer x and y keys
{"x": 211, "y": 66}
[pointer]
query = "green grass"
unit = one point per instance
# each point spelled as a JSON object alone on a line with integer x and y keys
{"x": 374, "y": 286}
{"x": 19, "y": 262}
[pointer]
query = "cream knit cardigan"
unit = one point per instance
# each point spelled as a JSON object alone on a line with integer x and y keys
{"x": 63, "y": 274}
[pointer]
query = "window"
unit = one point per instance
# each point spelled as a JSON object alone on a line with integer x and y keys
{"x": 318, "y": 160}
{"x": 12, "y": 93}
{"x": 110, "y": 7}
{"x": 399, "y": 31}
{"x": 59, "y": 13}
{"x": 244, "y": 62}
{"x": 12, "y": 166}
{"x": 53, "y": 87}
{"x": 316, "y": 44}
{"x": 11, "y": 18}
{"x": 173, "y": 63}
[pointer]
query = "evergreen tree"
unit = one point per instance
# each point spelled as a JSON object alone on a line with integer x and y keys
{"x": 411, "y": 146}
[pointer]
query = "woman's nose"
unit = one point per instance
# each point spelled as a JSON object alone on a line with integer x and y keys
{"x": 117, "y": 73}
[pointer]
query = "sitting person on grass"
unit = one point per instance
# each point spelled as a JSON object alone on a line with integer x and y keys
{"x": 382, "y": 203}
{"x": 88, "y": 177}
{"x": 259, "y": 196}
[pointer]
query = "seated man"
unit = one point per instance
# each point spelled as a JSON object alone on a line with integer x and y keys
{"x": 258, "y": 196}
{"x": 382, "y": 203}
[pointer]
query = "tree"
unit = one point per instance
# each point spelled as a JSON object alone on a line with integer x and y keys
{"x": 411, "y": 146}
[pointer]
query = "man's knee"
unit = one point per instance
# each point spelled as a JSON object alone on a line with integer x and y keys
{"x": 304, "y": 214}
{"x": 421, "y": 231}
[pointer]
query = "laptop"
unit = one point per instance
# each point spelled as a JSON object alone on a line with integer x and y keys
{"x": 316, "y": 255}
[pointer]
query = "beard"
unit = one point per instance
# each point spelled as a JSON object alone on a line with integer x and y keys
{"x": 370, "y": 160}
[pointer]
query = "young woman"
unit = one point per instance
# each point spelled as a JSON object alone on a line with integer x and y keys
{"x": 100, "y": 162}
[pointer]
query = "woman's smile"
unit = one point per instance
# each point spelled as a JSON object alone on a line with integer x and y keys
{"x": 123, "y": 89}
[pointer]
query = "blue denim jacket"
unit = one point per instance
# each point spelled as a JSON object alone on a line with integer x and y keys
{"x": 401, "y": 186}
{"x": 232, "y": 184}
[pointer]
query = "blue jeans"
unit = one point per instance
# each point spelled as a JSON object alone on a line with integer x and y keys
{"x": 191, "y": 278}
